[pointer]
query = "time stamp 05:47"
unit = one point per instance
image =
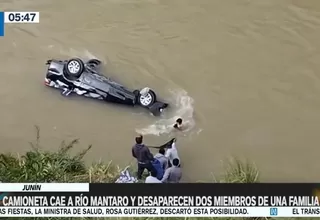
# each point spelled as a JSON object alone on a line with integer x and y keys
{"x": 21, "y": 17}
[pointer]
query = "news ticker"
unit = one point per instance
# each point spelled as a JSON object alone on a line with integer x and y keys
{"x": 25, "y": 17}
{"x": 158, "y": 200}
{"x": 158, "y": 212}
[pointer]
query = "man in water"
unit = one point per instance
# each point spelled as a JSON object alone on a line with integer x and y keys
{"x": 172, "y": 153}
{"x": 161, "y": 157}
{"x": 143, "y": 156}
{"x": 173, "y": 174}
{"x": 178, "y": 124}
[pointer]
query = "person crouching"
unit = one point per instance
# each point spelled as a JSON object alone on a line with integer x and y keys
{"x": 161, "y": 157}
{"x": 173, "y": 174}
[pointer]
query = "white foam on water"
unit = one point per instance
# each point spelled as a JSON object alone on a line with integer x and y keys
{"x": 181, "y": 106}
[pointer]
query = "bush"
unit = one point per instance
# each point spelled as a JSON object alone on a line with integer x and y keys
{"x": 38, "y": 165}
{"x": 238, "y": 171}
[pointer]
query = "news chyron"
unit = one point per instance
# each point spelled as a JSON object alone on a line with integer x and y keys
{"x": 22, "y": 17}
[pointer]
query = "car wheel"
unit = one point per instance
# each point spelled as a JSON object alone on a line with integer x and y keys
{"x": 74, "y": 68}
{"x": 147, "y": 97}
{"x": 94, "y": 62}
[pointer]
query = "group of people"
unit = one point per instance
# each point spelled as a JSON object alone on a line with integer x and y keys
{"x": 163, "y": 167}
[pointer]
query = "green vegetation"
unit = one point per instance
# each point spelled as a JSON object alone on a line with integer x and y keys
{"x": 238, "y": 171}
{"x": 38, "y": 165}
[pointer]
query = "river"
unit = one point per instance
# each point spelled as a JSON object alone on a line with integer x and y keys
{"x": 243, "y": 73}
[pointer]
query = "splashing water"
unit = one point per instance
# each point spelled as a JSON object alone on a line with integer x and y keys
{"x": 183, "y": 108}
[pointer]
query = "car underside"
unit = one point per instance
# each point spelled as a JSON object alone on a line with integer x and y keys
{"x": 84, "y": 79}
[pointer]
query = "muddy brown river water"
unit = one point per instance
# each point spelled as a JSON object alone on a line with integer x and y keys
{"x": 243, "y": 73}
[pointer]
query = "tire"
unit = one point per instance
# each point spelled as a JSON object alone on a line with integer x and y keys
{"x": 74, "y": 68}
{"x": 148, "y": 99}
{"x": 94, "y": 62}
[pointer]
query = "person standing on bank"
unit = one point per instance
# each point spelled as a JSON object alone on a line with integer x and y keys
{"x": 143, "y": 156}
{"x": 172, "y": 153}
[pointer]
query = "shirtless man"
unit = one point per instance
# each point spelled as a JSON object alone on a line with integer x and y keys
{"x": 178, "y": 124}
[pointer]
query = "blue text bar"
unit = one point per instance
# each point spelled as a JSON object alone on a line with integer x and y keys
{"x": 1, "y": 24}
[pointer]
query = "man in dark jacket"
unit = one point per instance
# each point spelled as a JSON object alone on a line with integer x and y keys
{"x": 143, "y": 156}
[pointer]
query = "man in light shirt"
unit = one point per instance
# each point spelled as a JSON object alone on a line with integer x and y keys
{"x": 172, "y": 153}
{"x": 152, "y": 178}
{"x": 173, "y": 174}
